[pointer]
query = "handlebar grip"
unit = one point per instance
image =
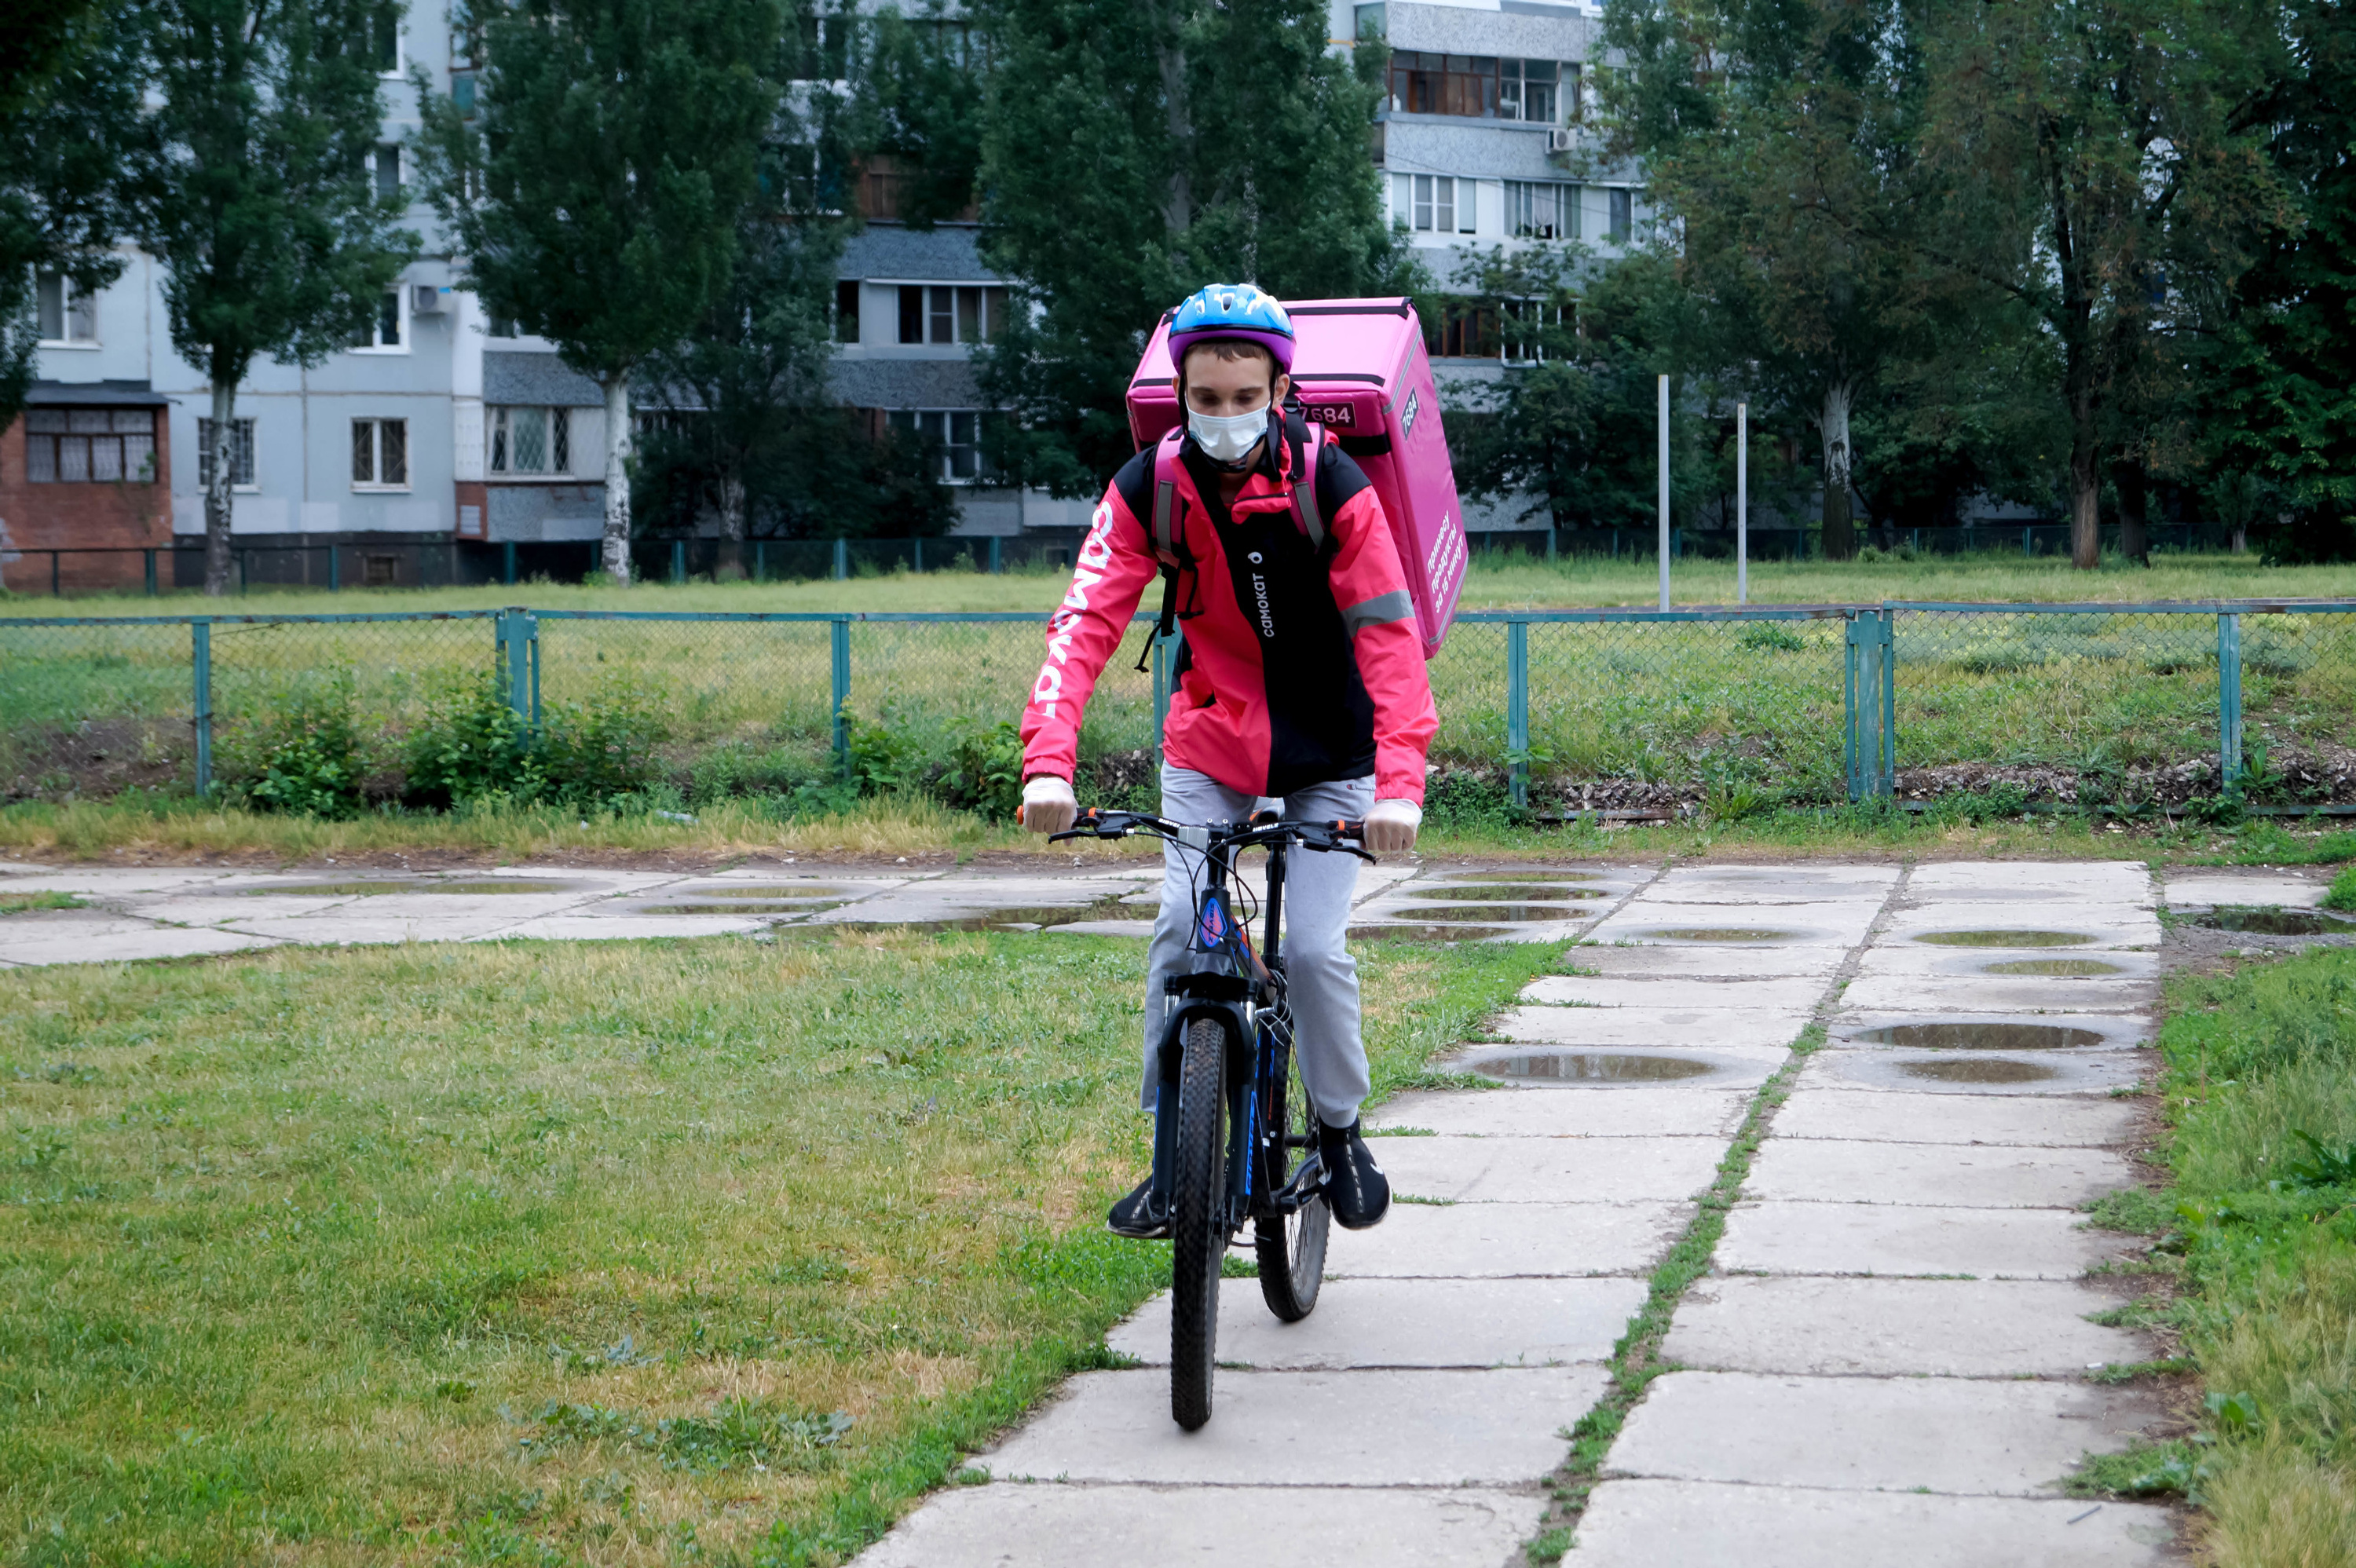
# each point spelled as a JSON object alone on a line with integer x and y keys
{"x": 1348, "y": 828}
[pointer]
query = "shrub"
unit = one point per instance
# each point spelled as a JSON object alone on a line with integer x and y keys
{"x": 471, "y": 745}
{"x": 308, "y": 755}
{"x": 985, "y": 770}
{"x": 595, "y": 751}
{"x": 1767, "y": 637}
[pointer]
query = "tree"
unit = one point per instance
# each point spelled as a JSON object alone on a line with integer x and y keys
{"x": 1779, "y": 139}
{"x": 597, "y": 195}
{"x": 70, "y": 139}
{"x": 1214, "y": 142}
{"x": 918, "y": 99}
{"x": 1573, "y": 420}
{"x": 2279, "y": 391}
{"x": 2104, "y": 163}
{"x": 259, "y": 203}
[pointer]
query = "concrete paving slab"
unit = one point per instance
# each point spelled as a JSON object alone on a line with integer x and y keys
{"x": 1365, "y": 1323}
{"x": 1774, "y": 884}
{"x": 129, "y": 944}
{"x": 2110, "y": 1031}
{"x": 1925, "y": 959}
{"x": 1975, "y": 1176}
{"x": 1785, "y": 995}
{"x": 1542, "y": 1170}
{"x": 2194, "y": 890}
{"x": 2100, "y": 925}
{"x": 1307, "y": 1429}
{"x": 1142, "y": 930}
{"x": 1562, "y": 1069}
{"x": 2000, "y": 994}
{"x": 1698, "y": 1524}
{"x": 1892, "y": 1241}
{"x": 1820, "y": 1113}
{"x": 1005, "y": 1525}
{"x": 1551, "y": 932}
{"x": 1981, "y": 1072}
{"x": 368, "y": 924}
{"x": 576, "y": 926}
{"x": 1879, "y": 1328}
{"x": 1501, "y": 1241}
{"x": 1699, "y": 960}
{"x": 2118, "y": 882}
{"x": 1650, "y": 1026}
{"x": 1654, "y": 927}
{"x": 1900, "y": 1435}
{"x": 1534, "y": 1113}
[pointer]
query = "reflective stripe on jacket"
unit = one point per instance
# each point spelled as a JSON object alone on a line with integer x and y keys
{"x": 1297, "y": 668}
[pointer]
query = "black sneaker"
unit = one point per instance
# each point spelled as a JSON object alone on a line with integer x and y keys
{"x": 1355, "y": 1185}
{"x": 1143, "y": 1216}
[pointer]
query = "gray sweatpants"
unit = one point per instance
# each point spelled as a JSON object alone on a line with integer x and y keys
{"x": 1323, "y": 978}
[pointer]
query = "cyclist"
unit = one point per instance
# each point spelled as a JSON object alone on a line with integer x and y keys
{"x": 1301, "y": 679}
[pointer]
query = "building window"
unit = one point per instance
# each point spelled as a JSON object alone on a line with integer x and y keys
{"x": 384, "y": 168}
{"x": 947, "y": 313}
{"x": 240, "y": 454}
{"x": 384, "y": 38}
{"x": 380, "y": 454}
{"x": 386, "y": 333}
{"x": 846, "y": 311}
{"x": 957, "y": 431}
{"x": 68, "y": 316}
{"x": 1531, "y": 91}
{"x": 74, "y": 445}
{"x": 1539, "y": 210}
{"x": 1443, "y": 84}
{"x": 820, "y": 49}
{"x": 532, "y": 440}
{"x": 1460, "y": 329}
{"x": 1623, "y": 215}
{"x": 1522, "y": 325}
{"x": 1436, "y": 204}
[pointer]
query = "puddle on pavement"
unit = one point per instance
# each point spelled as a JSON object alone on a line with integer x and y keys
{"x": 2274, "y": 921}
{"x": 2005, "y": 938}
{"x": 1427, "y": 932}
{"x": 1978, "y": 1070}
{"x": 735, "y": 906}
{"x": 1507, "y": 891}
{"x": 1548, "y": 877}
{"x": 1718, "y": 933}
{"x": 1499, "y": 915}
{"x": 1027, "y": 918}
{"x": 359, "y": 890}
{"x": 1592, "y": 1067}
{"x": 2054, "y": 966}
{"x": 1971, "y": 1035}
{"x": 786, "y": 891}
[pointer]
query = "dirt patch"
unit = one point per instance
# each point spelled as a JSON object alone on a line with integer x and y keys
{"x": 96, "y": 759}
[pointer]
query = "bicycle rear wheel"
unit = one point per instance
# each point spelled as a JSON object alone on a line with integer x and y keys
{"x": 1198, "y": 1231}
{"x": 1291, "y": 1247}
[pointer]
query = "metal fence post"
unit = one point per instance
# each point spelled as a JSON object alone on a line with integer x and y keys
{"x": 507, "y": 562}
{"x": 151, "y": 572}
{"x": 1165, "y": 663}
{"x": 996, "y": 562}
{"x": 841, "y": 559}
{"x": 517, "y": 633}
{"x": 841, "y": 628}
{"x": 2228, "y": 703}
{"x": 200, "y": 651}
{"x": 1868, "y": 698}
{"x": 760, "y": 561}
{"x": 678, "y": 561}
{"x": 1517, "y": 708}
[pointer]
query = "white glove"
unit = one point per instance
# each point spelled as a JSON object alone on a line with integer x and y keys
{"x": 1391, "y": 825}
{"x": 1047, "y": 804}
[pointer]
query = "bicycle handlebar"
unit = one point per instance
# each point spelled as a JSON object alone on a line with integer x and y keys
{"x": 1266, "y": 828}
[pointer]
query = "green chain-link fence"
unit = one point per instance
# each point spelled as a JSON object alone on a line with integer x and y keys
{"x": 1566, "y": 711}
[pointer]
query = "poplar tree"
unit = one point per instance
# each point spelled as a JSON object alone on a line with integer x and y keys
{"x": 595, "y": 191}
{"x": 257, "y": 198}
{"x": 1214, "y": 143}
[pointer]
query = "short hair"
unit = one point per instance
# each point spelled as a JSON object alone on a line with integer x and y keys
{"x": 1229, "y": 348}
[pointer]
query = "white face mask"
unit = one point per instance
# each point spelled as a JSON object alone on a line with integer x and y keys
{"x": 1229, "y": 439}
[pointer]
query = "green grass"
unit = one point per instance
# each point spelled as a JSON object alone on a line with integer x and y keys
{"x": 23, "y": 903}
{"x": 600, "y": 1253}
{"x": 2260, "y": 1090}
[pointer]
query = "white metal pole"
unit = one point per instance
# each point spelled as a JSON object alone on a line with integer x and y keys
{"x": 1743, "y": 503}
{"x": 1665, "y": 491}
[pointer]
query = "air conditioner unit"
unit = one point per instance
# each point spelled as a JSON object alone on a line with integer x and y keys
{"x": 425, "y": 299}
{"x": 1558, "y": 140}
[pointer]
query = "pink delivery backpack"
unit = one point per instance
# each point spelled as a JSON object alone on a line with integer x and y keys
{"x": 1359, "y": 370}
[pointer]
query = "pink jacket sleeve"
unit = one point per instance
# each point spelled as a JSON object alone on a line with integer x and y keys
{"x": 1371, "y": 589}
{"x": 1109, "y": 576}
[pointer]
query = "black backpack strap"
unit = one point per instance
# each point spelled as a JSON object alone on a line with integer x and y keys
{"x": 1307, "y": 514}
{"x": 1169, "y": 548}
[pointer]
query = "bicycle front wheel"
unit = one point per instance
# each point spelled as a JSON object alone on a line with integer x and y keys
{"x": 1291, "y": 1247}
{"x": 1198, "y": 1231}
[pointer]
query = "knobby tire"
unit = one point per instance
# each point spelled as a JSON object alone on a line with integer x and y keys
{"x": 1198, "y": 1222}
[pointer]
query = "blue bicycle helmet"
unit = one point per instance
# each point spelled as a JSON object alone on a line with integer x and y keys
{"x": 1237, "y": 311}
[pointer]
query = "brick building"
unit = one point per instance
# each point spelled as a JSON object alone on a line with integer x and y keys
{"x": 86, "y": 473}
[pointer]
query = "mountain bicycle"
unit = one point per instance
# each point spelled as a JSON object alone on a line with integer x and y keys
{"x": 1234, "y": 1135}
